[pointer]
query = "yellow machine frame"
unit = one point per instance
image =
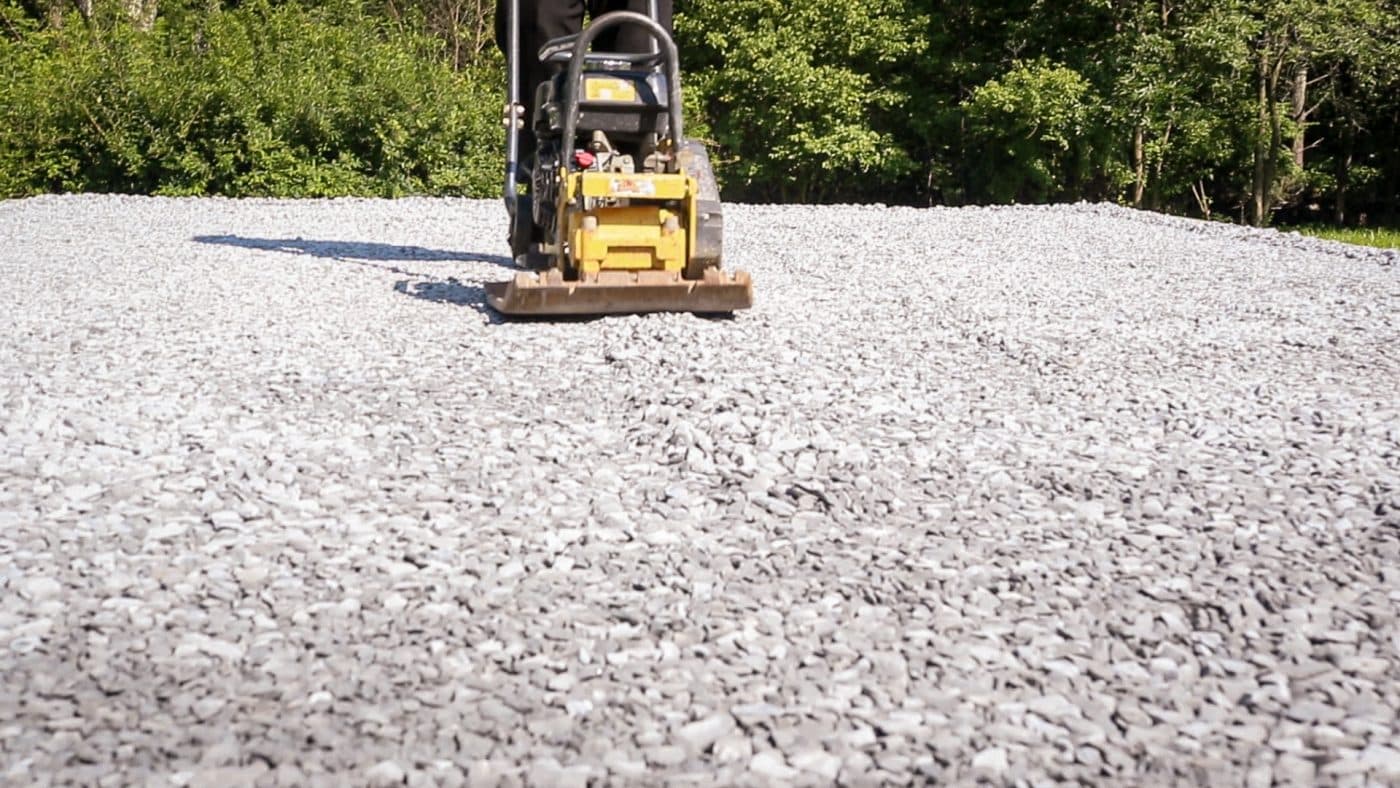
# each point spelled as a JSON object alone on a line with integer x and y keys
{"x": 642, "y": 230}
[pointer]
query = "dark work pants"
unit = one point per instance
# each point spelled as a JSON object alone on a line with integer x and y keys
{"x": 544, "y": 20}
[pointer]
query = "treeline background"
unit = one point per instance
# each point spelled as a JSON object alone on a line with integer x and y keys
{"x": 1252, "y": 110}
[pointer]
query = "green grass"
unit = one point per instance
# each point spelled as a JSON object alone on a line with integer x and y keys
{"x": 1385, "y": 238}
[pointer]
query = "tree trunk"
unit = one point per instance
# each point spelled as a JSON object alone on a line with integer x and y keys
{"x": 1271, "y": 160}
{"x": 1339, "y": 208}
{"x": 1300, "y": 114}
{"x": 1259, "y": 196}
{"x": 142, "y": 13}
{"x": 1270, "y": 137}
{"x": 1154, "y": 195}
{"x": 1198, "y": 190}
{"x": 1139, "y": 167}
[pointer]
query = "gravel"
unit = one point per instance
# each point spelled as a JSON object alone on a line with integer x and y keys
{"x": 1018, "y": 494}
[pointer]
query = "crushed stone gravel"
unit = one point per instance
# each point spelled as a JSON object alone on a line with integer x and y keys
{"x": 1029, "y": 494}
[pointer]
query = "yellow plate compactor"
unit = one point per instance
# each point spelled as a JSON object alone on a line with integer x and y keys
{"x": 621, "y": 213}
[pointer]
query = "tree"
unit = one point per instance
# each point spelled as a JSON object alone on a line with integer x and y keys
{"x": 1035, "y": 131}
{"x": 464, "y": 25}
{"x": 1345, "y": 85}
{"x": 1294, "y": 46}
{"x": 802, "y": 98}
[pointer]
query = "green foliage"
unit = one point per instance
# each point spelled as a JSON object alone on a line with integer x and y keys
{"x": 1188, "y": 106}
{"x": 1172, "y": 85}
{"x": 1380, "y": 237}
{"x": 258, "y": 100}
{"x": 801, "y": 97}
{"x": 15, "y": 20}
{"x": 1034, "y": 133}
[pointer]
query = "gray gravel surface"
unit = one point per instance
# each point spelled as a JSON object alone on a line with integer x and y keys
{"x": 1021, "y": 494}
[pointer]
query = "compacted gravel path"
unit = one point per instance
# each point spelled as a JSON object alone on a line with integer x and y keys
{"x": 1022, "y": 495}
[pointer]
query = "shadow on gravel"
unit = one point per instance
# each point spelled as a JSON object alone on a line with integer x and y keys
{"x": 373, "y": 255}
{"x": 380, "y": 257}
{"x": 451, "y": 291}
{"x": 461, "y": 293}
{"x": 360, "y": 253}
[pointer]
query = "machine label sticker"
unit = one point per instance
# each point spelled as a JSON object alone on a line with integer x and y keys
{"x": 633, "y": 187}
{"x": 604, "y": 89}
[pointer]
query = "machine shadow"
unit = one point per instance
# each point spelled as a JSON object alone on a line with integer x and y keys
{"x": 427, "y": 287}
{"x": 382, "y": 257}
{"x": 451, "y": 291}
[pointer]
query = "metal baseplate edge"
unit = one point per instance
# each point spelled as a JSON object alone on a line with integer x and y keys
{"x": 547, "y": 294}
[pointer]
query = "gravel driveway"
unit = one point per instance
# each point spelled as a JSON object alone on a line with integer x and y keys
{"x": 1016, "y": 494}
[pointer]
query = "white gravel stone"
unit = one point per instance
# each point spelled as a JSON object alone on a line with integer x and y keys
{"x": 1384, "y": 761}
{"x": 1106, "y": 495}
{"x": 771, "y": 765}
{"x": 818, "y": 762}
{"x": 698, "y": 736}
{"x": 991, "y": 761}
{"x": 385, "y": 774}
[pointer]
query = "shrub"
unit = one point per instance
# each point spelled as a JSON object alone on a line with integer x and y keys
{"x": 258, "y": 100}
{"x": 1033, "y": 133}
{"x": 801, "y": 97}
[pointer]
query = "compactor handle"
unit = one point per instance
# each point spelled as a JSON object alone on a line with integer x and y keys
{"x": 514, "y": 113}
{"x": 655, "y": 13}
{"x": 670, "y": 60}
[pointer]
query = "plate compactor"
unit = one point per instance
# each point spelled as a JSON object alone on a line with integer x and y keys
{"x": 622, "y": 212}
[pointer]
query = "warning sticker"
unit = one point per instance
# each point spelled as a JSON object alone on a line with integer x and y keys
{"x": 633, "y": 187}
{"x": 609, "y": 89}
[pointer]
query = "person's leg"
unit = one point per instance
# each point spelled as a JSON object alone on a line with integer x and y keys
{"x": 540, "y": 22}
{"x": 628, "y": 38}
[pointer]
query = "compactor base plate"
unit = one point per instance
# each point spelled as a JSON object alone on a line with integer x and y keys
{"x": 620, "y": 292}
